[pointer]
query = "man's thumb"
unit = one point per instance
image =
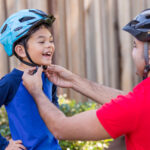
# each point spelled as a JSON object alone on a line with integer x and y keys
{"x": 39, "y": 71}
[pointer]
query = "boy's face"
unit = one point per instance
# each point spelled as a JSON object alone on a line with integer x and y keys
{"x": 41, "y": 46}
{"x": 138, "y": 56}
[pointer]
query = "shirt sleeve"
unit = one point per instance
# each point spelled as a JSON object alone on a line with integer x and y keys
{"x": 5, "y": 95}
{"x": 54, "y": 95}
{"x": 120, "y": 116}
{"x": 4, "y": 90}
{"x": 3, "y": 143}
{"x": 8, "y": 88}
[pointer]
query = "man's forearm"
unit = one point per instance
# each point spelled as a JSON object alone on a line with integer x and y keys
{"x": 99, "y": 93}
{"x": 69, "y": 128}
{"x": 50, "y": 114}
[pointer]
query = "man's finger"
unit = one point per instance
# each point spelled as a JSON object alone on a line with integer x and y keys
{"x": 39, "y": 71}
{"x": 29, "y": 71}
{"x": 21, "y": 146}
{"x": 18, "y": 142}
{"x": 51, "y": 68}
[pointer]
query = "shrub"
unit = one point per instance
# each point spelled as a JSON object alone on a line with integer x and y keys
{"x": 69, "y": 107}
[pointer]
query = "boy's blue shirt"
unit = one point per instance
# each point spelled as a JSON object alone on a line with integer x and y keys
{"x": 24, "y": 119}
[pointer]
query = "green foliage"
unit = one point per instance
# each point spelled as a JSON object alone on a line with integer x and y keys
{"x": 4, "y": 126}
{"x": 69, "y": 107}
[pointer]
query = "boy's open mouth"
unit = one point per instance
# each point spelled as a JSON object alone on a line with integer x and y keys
{"x": 47, "y": 54}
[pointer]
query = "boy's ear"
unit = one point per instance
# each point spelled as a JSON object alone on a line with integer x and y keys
{"x": 20, "y": 51}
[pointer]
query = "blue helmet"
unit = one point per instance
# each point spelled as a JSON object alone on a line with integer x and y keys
{"x": 18, "y": 26}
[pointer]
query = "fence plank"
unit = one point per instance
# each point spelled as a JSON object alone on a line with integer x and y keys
{"x": 98, "y": 41}
{"x": 105, "y": 43}
{"x": 38, "y": 4}
{"x": 4, "y": 66}
{"x": 124, "y": 16}
{"x": 147, "y": 4}
{"x": 112, "y": 37}
{"x": 90, "y": 40}
{"x": 75, "y": 38}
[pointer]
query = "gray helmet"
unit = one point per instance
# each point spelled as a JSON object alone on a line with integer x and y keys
{"x": 140, "y": 26}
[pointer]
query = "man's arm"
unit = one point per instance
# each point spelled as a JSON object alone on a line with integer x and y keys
{"x": 83, "y": 126}
{"x": 97, "y": 92}
{"x": 64, "y": 78}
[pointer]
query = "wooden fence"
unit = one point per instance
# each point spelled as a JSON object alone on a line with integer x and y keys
{"x": 88, "y": 37}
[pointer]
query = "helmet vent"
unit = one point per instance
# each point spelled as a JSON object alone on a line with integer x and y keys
{"x": 4, "y": 28}
{"x": 39, "y": 12}
{"x": 32, "y": 23}
{"x": 134, "y": 22}
{"x": 17, "y": 29}
{"x": 147, "y": 26}
{"x": 26, "y": 18}
{"x": 148, "y": 17}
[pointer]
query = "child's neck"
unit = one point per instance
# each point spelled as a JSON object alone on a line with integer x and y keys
{"x": 22, "y": 67}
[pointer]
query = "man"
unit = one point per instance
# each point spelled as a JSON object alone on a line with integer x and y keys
{"x": 125, "y": 115}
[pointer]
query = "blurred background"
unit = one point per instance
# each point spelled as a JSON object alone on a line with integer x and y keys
{"x": 88, "y": 37}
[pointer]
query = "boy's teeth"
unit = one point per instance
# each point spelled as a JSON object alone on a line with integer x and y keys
{"x": 47, "y": 54}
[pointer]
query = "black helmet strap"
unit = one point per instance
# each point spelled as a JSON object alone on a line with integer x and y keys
{"x": 146, "y": 49}
{"x": 28, "y": 56}
{"x": 146, "y": 56}
{"x": 27, "y": 63}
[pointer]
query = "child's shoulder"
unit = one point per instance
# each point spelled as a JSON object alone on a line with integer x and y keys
{"x": 11, "y": 78}
{"x": 9, "y": 85}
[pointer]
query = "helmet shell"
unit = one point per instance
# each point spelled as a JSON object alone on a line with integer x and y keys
{"x": 139, "y": 27}
{"x": 19, "y": 24}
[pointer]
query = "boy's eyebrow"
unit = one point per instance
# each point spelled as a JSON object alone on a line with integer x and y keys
{"x": 42, "y": 36}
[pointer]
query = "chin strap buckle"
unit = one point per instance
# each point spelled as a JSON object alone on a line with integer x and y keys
{"x": 146, "y": 70}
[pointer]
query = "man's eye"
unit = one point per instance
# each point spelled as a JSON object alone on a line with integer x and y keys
{"x": 41, "y": 42}
{"x": 134, "y": 44}
{"x": 51, "y": 41}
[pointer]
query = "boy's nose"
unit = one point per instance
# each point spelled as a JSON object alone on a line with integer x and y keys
{"x": 49, "y": 45}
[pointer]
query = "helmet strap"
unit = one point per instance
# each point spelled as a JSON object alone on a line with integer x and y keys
{"x": 25, "y": 62}
{"x": 146, "y": 71}
{"x": 28, "y": 56}
{"x": 146, "y": 56}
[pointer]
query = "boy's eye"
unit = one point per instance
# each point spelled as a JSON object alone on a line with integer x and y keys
{"x": 51, "y": 41}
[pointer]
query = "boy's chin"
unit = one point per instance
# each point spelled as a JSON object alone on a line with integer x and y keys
{"x": 47, "y": 63}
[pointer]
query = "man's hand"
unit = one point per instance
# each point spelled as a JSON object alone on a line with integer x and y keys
{"x": 60, "y": 76}
{"x": 33, "y": 82}
{"x": 15, "y": 145}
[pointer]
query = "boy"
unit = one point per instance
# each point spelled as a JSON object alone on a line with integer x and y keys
{"x": 125, "y": 115}
{"x": 26, "y": 34}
